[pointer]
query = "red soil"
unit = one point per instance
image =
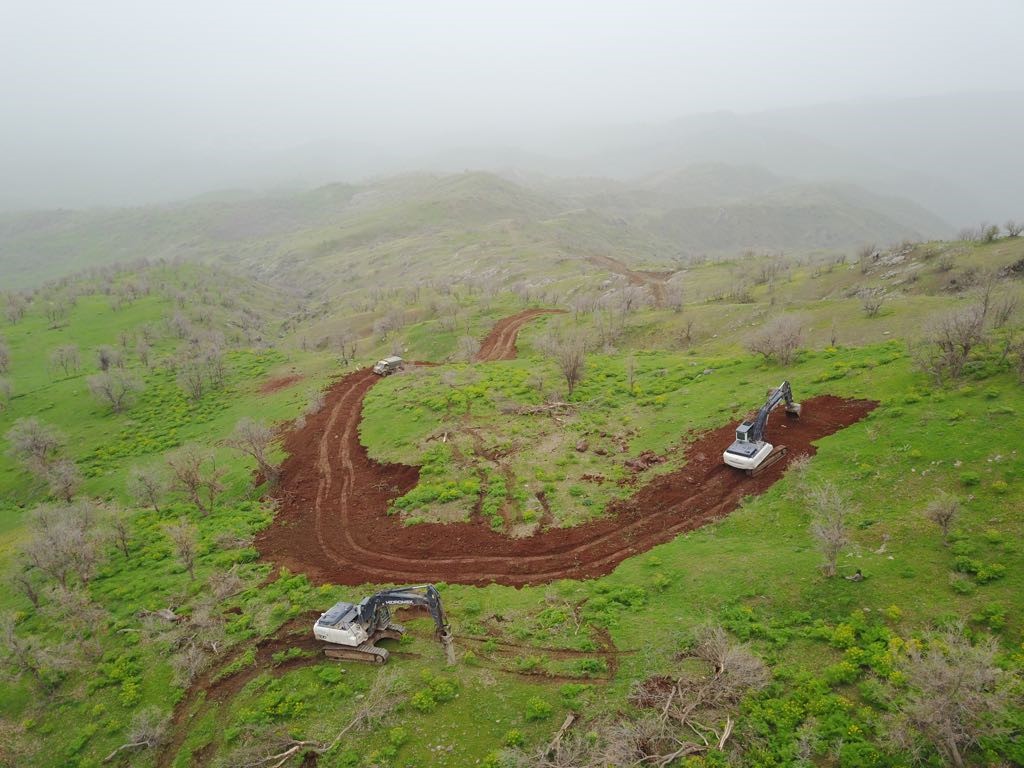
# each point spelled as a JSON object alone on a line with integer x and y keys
{"x": 500, "y": 343}
{"x": 276, "y": 385}
{"x": 333, "y": 526}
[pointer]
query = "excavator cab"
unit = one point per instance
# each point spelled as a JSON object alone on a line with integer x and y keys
{"x": 743, "y": 432}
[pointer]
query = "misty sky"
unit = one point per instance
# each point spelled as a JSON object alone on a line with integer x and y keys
{"x": 138, "y": 84}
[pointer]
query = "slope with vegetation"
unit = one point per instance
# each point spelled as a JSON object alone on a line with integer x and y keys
{"x": 141, "y": 626}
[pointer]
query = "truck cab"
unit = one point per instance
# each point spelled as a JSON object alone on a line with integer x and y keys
{"x": 388, "y": 365}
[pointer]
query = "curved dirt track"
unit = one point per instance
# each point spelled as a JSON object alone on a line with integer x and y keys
{"x": 333, "y": 525}
{"x": 500, "y": 343}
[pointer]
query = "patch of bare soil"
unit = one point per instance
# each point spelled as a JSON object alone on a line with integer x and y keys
{"x": 333, "y": 525}
{"x": 281, "y": 382}
{"x": 500, "y": 343}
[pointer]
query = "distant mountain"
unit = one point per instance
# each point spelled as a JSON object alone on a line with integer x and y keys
{"x": 340, "y": 237}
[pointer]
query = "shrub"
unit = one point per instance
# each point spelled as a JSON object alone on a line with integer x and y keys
{"x": 537, "y": 709}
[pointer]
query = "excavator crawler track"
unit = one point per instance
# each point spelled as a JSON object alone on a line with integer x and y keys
{"x": 368, "y": 652}
{"x": 777, "y": 454}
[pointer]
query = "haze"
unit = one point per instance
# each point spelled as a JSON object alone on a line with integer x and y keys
{"x": 125, "y": 103}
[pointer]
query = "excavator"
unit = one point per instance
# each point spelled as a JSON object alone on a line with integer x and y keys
{"x": 750, "y": 451}
{"x": 352, "y": 631}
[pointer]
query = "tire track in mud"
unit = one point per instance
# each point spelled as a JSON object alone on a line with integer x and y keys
{"x": 500, "y": 343}
{"x": 333, "y": 526}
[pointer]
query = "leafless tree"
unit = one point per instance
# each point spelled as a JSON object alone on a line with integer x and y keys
{"x": 1014, "y": 228}
{"x": 956, "y": 693}
{"x": 6, "y": 393}
{"x": 16, "y": 306}
{"x": 183, "y": 536}
{"x": 142, "y": 351}
{"x": 948, "y": 341}
{"x": 115, "y": 389}
{"x": 568, "y": 348}
{"x": 108, "y": 357}
{"x": 120, "y": 529}
{"x": 830, "y": 510}
{"x": 685, "y": 716}
{"x": 943, "y": 510}
{"x": 225, "y": 584}
{"x": 23, "y": 579}
{"x": 255, "y": 439}
{"x": 779, "y": 339}
{"x": 25, "y": 654}
{"x": 467, "y": 348}
{"x": 66, "y": 358}
{"x": 192, "y": 378}
{"x": 56, "y": 311}
{"x": 674, "y": 296}
{"x": 5, "y": 355}
{"x": 34, "y": 444}
{"x": 871, "y": 302}
{"x": 1003, "y": 310}
{"x": 346, "y": 342}
{"x": 64, "y": 479}
{"x": 148, "y": 730}
{"x": 65, "y": 541}
{"x": 194, "y": 472}
{"x": 147, "y": 486}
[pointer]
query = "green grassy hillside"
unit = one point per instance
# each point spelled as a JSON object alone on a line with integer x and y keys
{"x": 86, "y": 663}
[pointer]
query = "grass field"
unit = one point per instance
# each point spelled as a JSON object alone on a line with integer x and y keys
{"x": 835, "y": 647}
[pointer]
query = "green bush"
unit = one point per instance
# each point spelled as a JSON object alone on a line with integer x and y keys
{"x": 537, "y": 709}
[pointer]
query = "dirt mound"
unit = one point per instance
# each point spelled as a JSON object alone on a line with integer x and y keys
{"x": 333, "y": 525}
{"x": 500, "y": 343}
{"x": 279, "y": 383}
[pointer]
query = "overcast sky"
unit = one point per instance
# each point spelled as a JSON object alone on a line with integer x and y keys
{"x": 105, "y": 83}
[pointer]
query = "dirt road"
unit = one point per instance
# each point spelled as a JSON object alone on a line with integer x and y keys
{"x": 500, "y": 343}
{"x": 333, "y": 525}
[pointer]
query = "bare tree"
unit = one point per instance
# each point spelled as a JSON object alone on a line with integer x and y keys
{"x": 21, "y": 654}
{"x": 65, "y": 541}
{"x": 943, "y": 510}
{"x": 255, "y": 439}
{"x": 115, "y": 389}
{"x": 948, "y": 341}
{"x": 467, "y": 348}
{"x": 5, "y": 355}
{"x": 142, "y": 351}
{"x": 183, "y": 536}
{"x": 120, "y": 528}
{"x": 871, "y": 302}
{"x": 1014, "y": 228}
{"x": 16, "y": 306}
{"x": 955, "y": 687}
{"x": 829, "y": 510}
{"x": 64, "y": 479}
{"x": 108, "y": 357}
{"x": 147, "y": 486}
{"x": 778, "y": 340}
{"x": 148, "y": 730}
{"x": 192, "y": 378}
{"x": 34, "y": 444}
{"x": 568, "y": 348}
{"x": 66, "y": 358}
{"x": 195, "y": 473}
{"x": 1003, "y": 310}
{"x": 6, "y": 393}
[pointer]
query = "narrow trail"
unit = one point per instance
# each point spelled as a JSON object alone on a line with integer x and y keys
{"x": 653, "y": 281}
{"x": 500, "y": 343}
{"x": 332, "y": 489}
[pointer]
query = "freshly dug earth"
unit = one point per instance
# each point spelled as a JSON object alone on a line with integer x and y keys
{"x": 333, "y": 525}
{"x": 281, "y": 382}
{"x": 500, "y": 343}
